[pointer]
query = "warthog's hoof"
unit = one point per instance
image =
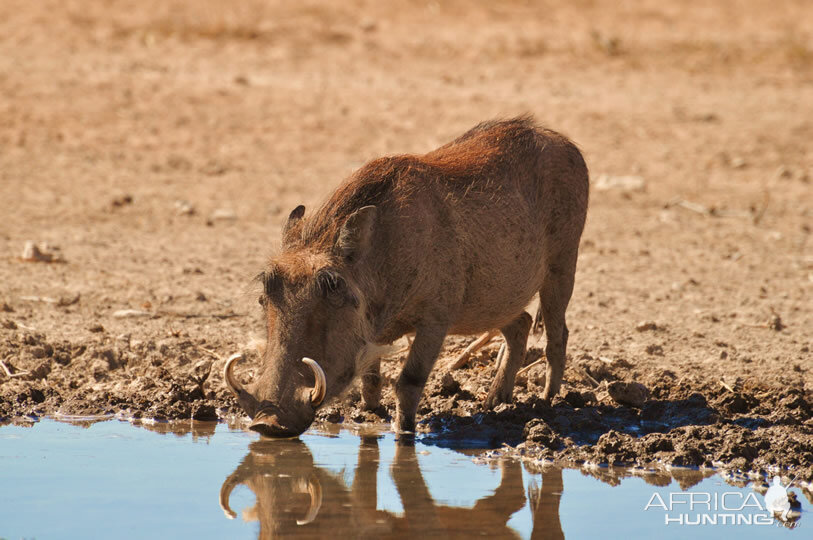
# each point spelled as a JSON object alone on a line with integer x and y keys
{"x": 370, "y": 405}
{"x": 498, "y": 396}
{"x": 549, "y": 393}
{"x": 403, "y": 425}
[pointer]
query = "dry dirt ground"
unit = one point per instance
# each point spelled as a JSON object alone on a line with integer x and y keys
{"x": 159, "y": 146}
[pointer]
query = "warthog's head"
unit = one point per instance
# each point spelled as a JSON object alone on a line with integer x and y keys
{"x": 318, "y": 330}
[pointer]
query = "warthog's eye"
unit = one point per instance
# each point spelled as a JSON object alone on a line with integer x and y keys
{"x": 272, "y": 287}
{"x": 271, "y": 282}
{"x": 330, "y": 282}
{"x": 333, "y": 288}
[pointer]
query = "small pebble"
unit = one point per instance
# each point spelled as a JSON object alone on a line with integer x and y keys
{"x": 606, "y": 182}
{"x": 127, "y": 313}
{"x": 643, "y": 326}
{"x": 368, "y": 25}
{"x": 122, "y": 200}
{"x": 39, "y": 253}
{"x": 223, "y": 214}
{"x": 655, "y": 350}
{"x": 184, "y": 208}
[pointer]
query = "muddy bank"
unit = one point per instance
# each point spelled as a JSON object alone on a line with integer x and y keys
{"x": 747, "y": 426}
{"x": 167, "y": 379}
{"x": 604, "y": 415}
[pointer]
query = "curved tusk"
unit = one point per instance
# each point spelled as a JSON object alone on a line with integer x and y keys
{"x": 315, "y": 491}
{"x": 228, "y": 376}
{"x": 225, "y": 494}
{"x": 318, "y": 392}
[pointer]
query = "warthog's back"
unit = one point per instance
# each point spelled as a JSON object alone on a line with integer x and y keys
{"x": 466, "y": 229}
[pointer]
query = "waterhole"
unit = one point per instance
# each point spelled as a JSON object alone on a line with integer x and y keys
{"x": 115, "y": 479}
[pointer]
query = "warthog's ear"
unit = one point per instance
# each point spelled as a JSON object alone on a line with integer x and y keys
{"x": 293, "y": 219}
{"x": 354, "y": 238}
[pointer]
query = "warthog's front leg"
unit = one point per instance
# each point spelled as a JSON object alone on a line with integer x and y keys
{"x": 371, "y": 386}
{"x": 409, "y": 387}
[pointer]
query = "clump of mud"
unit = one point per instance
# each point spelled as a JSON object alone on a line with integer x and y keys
{"x": 605, "y": 414}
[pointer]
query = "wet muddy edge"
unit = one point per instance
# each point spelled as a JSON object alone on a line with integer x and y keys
{"x": 745, "y": 429}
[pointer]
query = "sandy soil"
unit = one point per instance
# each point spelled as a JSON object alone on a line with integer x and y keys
{"x": 159, "y": 146}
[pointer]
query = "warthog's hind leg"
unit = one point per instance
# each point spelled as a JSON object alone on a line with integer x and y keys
{"x": 516, "y": 339}
{"x": 555, "y": 295}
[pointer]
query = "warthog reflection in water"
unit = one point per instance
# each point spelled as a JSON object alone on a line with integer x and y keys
{"x": 295, "y": 497}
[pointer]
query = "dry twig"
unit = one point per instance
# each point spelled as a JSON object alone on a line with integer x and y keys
{"x": 477, "y": 344}
{"x": 594, "y": 383}
{"x": 530, "y": 366}
{"x": 692, "y": 207}
{"x": 209, "y": 352}
{"x": 708, "y": 211}
{"x": 11, "y": 375}
{"x": 61, "y": 302}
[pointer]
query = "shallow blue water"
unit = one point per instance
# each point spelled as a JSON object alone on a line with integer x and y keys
{"x": 116, "y": 480}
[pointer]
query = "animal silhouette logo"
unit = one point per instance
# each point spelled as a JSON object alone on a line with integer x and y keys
{"x": 778, "y": 501}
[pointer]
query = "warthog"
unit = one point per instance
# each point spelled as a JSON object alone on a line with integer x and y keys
{"x": 456, "y": 241}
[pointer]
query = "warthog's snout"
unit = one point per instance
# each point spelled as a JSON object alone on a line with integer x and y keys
{"x": 268, "y": 424}
{"x": 273, "y": 419}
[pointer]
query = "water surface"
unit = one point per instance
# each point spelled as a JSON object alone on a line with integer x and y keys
{"x": 116, "y": 480}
